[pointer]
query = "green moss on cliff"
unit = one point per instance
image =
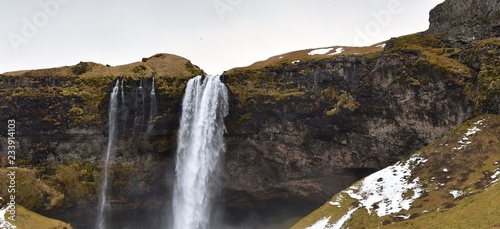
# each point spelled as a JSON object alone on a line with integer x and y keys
{"x": 76, "y": 180}
{"x": 432, "y": 50}
{"x": 486, "y": 54}
{"x": 31, "y": 192}
{"x": 339, "y": 100}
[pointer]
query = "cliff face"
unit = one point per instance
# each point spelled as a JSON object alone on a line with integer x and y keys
{"x": 298, "y": 131}
{"x": 466, "y": 20}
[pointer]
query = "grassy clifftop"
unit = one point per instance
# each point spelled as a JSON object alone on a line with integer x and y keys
{"x": 72, "y": 94}
{"x": 451, "y": 183}
{"x": 160, "y": 65}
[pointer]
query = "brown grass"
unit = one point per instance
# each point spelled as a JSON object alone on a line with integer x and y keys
{"x": 302, "y": 55}
{"x": 28, "y": 219}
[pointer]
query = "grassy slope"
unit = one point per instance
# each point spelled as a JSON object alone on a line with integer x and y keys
{"x": 28, "y": 219}
{"x": 470, "y": 170}
{"x": 302, "y": 55}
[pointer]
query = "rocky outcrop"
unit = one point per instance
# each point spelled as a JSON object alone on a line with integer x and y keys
{"x": 466, "y": 20}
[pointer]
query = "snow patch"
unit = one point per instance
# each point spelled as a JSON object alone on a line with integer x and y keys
{"x": 337, "y": 51}
{"x": 320, "y": 224}
{"x": 445, "y": 170}
{"x": 456, "y": 193}
{"x": 320, "y": 51}
{"x": 386, "y": 188}
{"x": 295, "y": 61}
{"x": 3, "y": 223}
{"x": 402, "y": 216}
{"x": 281, "y": 57}
{"x": 495, "y": 176}
{"x": 464, "y": 142}
{"x": 343, "y": 219}
{"x": 381, "y": 45}
{"x": 334, "y": 203}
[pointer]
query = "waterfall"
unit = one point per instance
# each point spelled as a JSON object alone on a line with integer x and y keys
{"x": 152, "y": 109}
{"x": 139, "y": 114}
{"x": 124, "y": 110}
{"x": 122, "y": 93}
{"x": 103, "y": 202}
{"x": 199, "y": 153}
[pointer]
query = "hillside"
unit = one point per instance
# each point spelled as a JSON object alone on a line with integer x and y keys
{"x": 451, "y": 183}
{"x": 28, "y": 219}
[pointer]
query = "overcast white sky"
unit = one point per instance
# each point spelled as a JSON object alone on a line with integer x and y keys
{"x": 216, "y": 35}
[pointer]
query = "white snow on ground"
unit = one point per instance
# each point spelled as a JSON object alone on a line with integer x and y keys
{"x": 386, "y": 188}
{"x": 402, "y": 216}
{"x": 495, "y": 176}
{"x": 323, "y": 223}
{"x": 337, "y": 201}
{"x": 445, "y": 170}
{"x": 281, "y": 57}
{"x": 337, "y": 51}
{"x": 320, "y": 224}
{"x": 3, "y": 223}
{"x": 319, "y": 51}
{"x": 381, "y": 46}
{"x": 456, "y": 193}
{"x": 334, "y": 203}
{"x": 343, "y": 219}
{"x": 295, "y": 61}
{"x": 465, "y": 140}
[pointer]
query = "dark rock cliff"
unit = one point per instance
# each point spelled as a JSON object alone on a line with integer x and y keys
{"x": 466, "y": 20}
{"x": 300, "y": 131}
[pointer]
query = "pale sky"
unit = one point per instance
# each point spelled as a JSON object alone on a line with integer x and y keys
{"x": 216, "y": 35}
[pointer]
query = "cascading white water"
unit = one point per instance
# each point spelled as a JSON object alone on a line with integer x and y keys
{"x": 152, "y": 108}
{"x": 139, "y": 114}
{"x": 103, "y": 202}
{"x": 199, "y": 153}
{"x": 122, "y": 93}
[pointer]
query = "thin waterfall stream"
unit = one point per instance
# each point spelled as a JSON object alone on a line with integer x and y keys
{"x": 152, "y": 108}
{"x": 103, "y": 201}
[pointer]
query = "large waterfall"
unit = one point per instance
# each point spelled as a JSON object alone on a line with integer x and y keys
{"x": 103, "y": 202}
{"x": 200, "y": 152}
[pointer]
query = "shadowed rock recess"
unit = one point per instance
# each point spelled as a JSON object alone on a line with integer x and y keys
{"x": 297, "y": 131}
